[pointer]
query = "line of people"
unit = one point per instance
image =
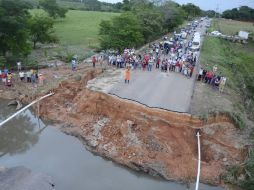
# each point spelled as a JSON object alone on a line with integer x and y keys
{"x": 6, "y": 77}
{"x": 30, "y": 76}
{"x": 210, "y": 77}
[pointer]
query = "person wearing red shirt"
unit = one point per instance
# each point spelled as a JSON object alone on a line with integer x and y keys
{"x": 94, "y": 61}
{"x": 158, "y": 63}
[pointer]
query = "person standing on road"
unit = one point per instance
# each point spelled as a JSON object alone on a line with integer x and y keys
{"x": 94, "y": 61}
{"x": 222, "y": 84}
{"x": 158, "y": 63}
{"x": 150, "y": 64}
{"x": 101, "y": 59}
{"x": 73, "y": 64}
{"x": 127, "y": 74}
{"x": 19, "y": 65}
{"x": 157, "y": 51}
{"x": 200, "y": 74}
{"x": 21, "y": 75}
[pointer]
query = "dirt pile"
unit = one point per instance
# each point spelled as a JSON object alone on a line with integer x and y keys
{"x": 150, "y": 140}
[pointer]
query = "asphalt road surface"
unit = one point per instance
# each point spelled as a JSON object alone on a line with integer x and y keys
{"x": 170, "y": 91}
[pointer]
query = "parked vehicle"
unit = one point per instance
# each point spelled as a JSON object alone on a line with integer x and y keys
{"x": 216, "y": 33}
{"x": 195, "y": 44}
{"x": 168, "y": 45}
{"x": 184, "y": 35}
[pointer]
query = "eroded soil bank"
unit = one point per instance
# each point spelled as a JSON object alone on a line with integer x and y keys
{"x": 150, "y": 140}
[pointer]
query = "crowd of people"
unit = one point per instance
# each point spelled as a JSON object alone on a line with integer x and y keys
{"x": 29, "y": 76}
{"x": 6, "y": 77}
{"x": 160, "y": 56}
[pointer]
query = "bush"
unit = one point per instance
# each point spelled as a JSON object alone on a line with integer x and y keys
{"x": 242, "y": 175}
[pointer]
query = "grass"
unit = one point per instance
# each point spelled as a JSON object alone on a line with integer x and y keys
{"x": 77, "y": 33}
{"x": 235, "y": 61}
{"x": 80, "y": 28}
{"x": 232, "y": 27}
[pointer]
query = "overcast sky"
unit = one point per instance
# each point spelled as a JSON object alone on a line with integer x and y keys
{"x": 210, "y": 4}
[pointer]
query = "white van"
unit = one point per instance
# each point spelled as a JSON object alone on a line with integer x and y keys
{"x": 184, "y": 35}
{"x": 196, "y": 34}
{"x": 195, "y": 44}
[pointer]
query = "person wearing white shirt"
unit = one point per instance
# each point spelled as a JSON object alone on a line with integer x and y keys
{"x": 200, "y": 74}
{"x": 19, "y": 65}
{"x": 222, "y": 84}
{"x": 21, "y": 75}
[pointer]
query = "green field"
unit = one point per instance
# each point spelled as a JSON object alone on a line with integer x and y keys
{"x": 232, "y": 27}
{"x": 80, "y": 28}
{"x": 77, "y": 34}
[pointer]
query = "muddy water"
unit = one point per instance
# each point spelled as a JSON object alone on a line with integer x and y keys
{"x": 35, "y": 144}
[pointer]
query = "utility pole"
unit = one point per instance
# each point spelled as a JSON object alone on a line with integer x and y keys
{"x": 217, "y": 11}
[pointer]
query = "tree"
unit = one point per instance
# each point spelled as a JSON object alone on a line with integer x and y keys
{"x": 14, "y": 33}
{"x": 244, "y": 13}
{"x": 173, "y": 15}
{"x": 120, "y": 32}
{"x": 191, "y": 10}
{"x": 41, "y": 30}
{"x": 126, "y": 5}
{"x": 51, "y": 7}
{"x": 151, "y": 23}
{"x": 153, "y": 19}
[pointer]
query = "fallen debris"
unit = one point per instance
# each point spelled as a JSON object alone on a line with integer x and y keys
{"x": 16, "y": 103}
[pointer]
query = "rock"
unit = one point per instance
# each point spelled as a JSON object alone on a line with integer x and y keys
{"x": 77, "y": 78}
{"x": 19, "y": 106}
{"x": 130, "y": 123}
{"x": 93, "y": 143}
{"x": 225, "y": 159}
{"x": 124, "y": 130}
{"x": 13, "y": 103}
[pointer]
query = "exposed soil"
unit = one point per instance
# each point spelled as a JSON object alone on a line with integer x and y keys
{"x": 149, "y": 140}
{"x": 53, "y": 76}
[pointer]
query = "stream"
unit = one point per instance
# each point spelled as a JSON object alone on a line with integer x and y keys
{"x": 38, "y": 145}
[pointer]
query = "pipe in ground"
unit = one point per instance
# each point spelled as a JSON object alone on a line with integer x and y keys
{"x": 199, "y": 160}
{"x": 26, "y": 107}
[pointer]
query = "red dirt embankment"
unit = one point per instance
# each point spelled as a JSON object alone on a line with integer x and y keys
{"x": 150, "y": 140}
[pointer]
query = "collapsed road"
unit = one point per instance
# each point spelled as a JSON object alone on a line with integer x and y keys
{"x": 151, "y": 140}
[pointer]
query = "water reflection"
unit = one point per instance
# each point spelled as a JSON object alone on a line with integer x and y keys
{"x": 20, "y": 133}
{"x": 66, "y": 160}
